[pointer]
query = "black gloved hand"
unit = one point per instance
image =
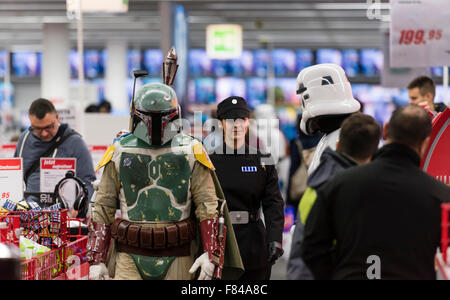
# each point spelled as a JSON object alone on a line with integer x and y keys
{"x": 275, "y": 252}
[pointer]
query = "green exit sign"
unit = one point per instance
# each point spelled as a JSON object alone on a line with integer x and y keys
{"x": 224, "y": 41}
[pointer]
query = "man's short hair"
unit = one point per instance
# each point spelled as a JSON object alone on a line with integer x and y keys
{"x": 40, "y": 107}
{"x": 425, "y": 85}
{"x": 409, "y": 125}
{"x": 359, "y": 136}
{"x": 106, "y": 105}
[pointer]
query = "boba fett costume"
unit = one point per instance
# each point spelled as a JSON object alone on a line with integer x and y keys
{"x": 165, "y": 187}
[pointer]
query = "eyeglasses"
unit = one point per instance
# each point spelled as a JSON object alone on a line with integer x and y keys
{"x": 40, "y": 129}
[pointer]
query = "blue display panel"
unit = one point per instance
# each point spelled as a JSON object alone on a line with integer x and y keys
{"x": 202, "y": 90}
{"x": 261, "y": 60}
{"x": 3, "y": 60}
{"x": 199, "y": 63}
{"x": 230, "y": 86}
{"x": 350, "y": 62}
{"x": 153, "y": 59}
{"x": 303, "y": 58}
{"x": 285, "y": 91}
{"x": 256, "y": 91}
{"x": 93, "y": 64}
{"x": 6, "y": 103}
{"x": 134, "y": 61}
{"x": 284, "y": 62}
{"x": 371, "y": 62}
{"x": 26, "y": 64}
{"x": 332, "y": 56}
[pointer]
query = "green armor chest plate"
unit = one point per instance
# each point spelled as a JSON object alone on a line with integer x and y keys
{"x": 156, "y": 187}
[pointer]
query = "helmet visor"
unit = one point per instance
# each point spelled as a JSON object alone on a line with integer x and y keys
{"x": 156, "y": 123}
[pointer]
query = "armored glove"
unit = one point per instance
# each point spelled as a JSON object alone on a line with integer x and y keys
{"x": 275, "y": 252}
{"x": 98, "y": 272}
{"x": 206, "y": 267}
{"x": 97, "y": 247}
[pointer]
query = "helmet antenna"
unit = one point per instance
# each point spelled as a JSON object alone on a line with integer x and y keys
{"x": 137, "y": 74}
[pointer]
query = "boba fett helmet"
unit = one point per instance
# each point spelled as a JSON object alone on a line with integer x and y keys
{"x": 155, "y": 110}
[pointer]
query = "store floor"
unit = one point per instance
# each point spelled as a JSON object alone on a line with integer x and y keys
{"x": 279, "y": 270}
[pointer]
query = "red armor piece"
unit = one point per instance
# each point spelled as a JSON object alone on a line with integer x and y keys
{"x": 214, "y": 244}
{"x": 98, "y": 243}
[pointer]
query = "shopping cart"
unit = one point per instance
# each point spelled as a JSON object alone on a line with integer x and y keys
{"x": 66, "y": 253}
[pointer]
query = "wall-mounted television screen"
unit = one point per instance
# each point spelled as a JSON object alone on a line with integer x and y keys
{"x": 229, "y": 86}
{"x": 153, "y": 59}
{"x": 283, "y": 61}
{"x": 256, "y": 91}
{"x": 371, "y": 62}
{"x": 303, "y": 59}
{"x": 3, "y": 61}
{"x": 261, "y": 59}
{"x": 199, "y": 63}
{"x": 26, "y": 64}
{"x": 350, "y": 62}
{"x": 333, "y": 56}
{"x": 285, "y": 91}
{"x": 134, "y": 59}
{"x": 93, "y": 64}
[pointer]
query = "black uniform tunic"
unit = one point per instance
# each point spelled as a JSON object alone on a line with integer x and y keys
{"x": 249, "y": 181}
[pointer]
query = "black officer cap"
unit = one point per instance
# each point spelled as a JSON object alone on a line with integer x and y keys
{"x": 233, "y": 107}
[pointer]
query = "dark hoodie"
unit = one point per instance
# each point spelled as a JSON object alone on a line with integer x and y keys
{"x": 331, "y": 162}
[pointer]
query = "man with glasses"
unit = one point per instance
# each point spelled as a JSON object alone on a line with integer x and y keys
{"x": 47, "y": 137}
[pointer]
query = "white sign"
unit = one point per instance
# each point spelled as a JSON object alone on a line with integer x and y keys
{"x": 69, "y": 116}
{"x": 420, "y": 33}
{"x": 53, "y": 170}
{"x": 115, "y": 6}
{"x": 7, "y": 150}
{"x": 224, "y": 41}
{"x": 11, "y": 180}
{"x": 97, "y": 153}
{"x": 397, "y": 77}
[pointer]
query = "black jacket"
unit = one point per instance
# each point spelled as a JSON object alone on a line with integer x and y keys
{"x": 389, "y": 208}
{"x": 247, "y": 190}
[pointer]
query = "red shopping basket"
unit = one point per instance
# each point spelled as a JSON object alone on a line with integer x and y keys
{"x": 67, "y": 258}
{"x": 445, "y": 230}
{"x": 47, "y": 228}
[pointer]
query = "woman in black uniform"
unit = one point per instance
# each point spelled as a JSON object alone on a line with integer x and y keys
{"x": 249, "y": 181}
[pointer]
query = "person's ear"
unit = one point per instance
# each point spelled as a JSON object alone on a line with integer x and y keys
{"x": 338, "y": 146}
{"x": 424, "y": 147}
{"x": 57, "y": 117}
{"x": 385, "y": 130}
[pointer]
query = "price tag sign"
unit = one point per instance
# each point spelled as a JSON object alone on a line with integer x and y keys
{"x": 11, "y": 180}
{"x": 7, "y": 150}
{"x": 420, "y": 34}
{"x": 97, "y": 152}
{"x": 53, "y": 170}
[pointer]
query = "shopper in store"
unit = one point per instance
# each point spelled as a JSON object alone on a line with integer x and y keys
{"x": 380, "y": 220}
{"x": 104, "y": 107}
{"x": 47, "y": 137}
{"x": 327, "y": 100}
{"x": 250, "y": 183}
{"x": 422, "y": 91}
{"x": 358, "y": 141}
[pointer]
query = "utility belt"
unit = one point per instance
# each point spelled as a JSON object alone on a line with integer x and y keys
{"x": 171, "y": 240}
{"x": 244, "y": 217}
